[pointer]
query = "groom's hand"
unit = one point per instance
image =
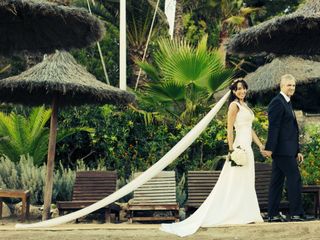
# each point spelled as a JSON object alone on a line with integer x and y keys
{"x": 300, "y": 158}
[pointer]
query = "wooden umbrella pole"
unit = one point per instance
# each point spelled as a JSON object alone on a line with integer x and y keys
{"x": 50, "y": 160}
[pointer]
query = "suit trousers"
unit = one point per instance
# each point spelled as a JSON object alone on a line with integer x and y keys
{"x": 285, "y": 167}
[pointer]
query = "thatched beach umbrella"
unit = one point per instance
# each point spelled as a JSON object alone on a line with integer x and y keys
{"x": 58, "y": 81}
{"x": 297, "y": 33}
{"x": 45, "y": 27}
{"x": 267, "y": 77}
{"x": 265, "y": 81}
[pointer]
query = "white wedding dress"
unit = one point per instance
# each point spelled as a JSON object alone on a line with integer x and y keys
{"x": 233, "y": 200}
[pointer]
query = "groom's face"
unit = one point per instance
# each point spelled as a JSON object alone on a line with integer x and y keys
{"x": 288, "y": 87}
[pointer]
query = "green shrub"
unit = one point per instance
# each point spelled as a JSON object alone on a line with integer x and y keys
{"x": 63, "y": 184}
{"x": 9, "y": 174}
{"x": 26, "y": 175}
{"x": 31, "y": 177}
{"x": 311, "y": 149}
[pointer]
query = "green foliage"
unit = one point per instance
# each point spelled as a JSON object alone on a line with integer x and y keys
{"x": 20, "y": 135}
{"x": 26, "y": 175}
{"x": 273, "y": 8}
{"x": 90, "y": 58}
{"x": 194, "y": 31}
{"x": 181, "y": 190}
{"x": 63, "y": 183}
{"x": 24, "y": 135}
{"x": 183, "y": 78}
{"x": 32, "y": 177}
{"x": 311, "y": 150}
{"x": 8, "y": 174}
{"x": 123, "y": 142}
{"x": 260, "y": 126}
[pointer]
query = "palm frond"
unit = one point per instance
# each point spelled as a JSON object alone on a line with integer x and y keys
{"x": 5, "y": 123}
{"x": 186, "y": 66}
{"x": 244, "y": 11}
{"x": 19, "y": 133}
{"x": 220, "y": 80}
{"x": 38, "y": 148}
{"x": 38, "y": 118}
{"x": 7, "y": 149}
{"x": 150, "y": 70}
{"x": 235, "y": 20}
{"x": 167, "y": 91}
{"x": 64, "y": 133}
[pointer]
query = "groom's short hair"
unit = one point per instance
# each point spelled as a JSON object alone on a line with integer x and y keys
{"x": 286, "y": 77}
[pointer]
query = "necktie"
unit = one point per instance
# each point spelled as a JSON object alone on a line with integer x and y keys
{"x": 290, "y": 106}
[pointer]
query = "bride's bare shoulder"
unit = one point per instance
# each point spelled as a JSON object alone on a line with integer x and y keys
{"x": 233, "y": 106}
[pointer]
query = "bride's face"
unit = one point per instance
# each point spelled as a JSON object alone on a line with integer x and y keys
{"x": 240, "y": 92}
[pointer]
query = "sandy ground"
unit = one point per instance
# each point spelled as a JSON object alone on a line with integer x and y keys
{"x": 262, "y": 231}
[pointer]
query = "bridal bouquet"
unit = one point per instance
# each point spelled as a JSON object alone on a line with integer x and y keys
{"x": 238, "y": 157}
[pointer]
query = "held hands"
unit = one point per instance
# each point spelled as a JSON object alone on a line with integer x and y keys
{"x": 264, "y": 152}
{"x": 268, "y": 154}
{"x": 300, "y": 158}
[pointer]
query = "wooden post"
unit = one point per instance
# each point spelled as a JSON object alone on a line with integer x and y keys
{"x": 50, "y": 160}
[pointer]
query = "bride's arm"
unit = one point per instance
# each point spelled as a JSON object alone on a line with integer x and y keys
{"x": 232, "y": 114}
{"x": 256, "y": 140}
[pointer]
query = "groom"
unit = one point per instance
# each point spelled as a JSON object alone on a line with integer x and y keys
{"x": 283, "y": 146}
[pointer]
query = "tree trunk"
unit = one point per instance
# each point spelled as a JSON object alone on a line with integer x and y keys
{"x": 178, "y": 21}
{"x": 135, "y": 53}
{"x": 50, "y": 160}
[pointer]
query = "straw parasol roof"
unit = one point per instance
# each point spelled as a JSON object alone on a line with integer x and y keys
{"x": 59, "y": 74}
{"x": 294, "y": 34}
{"x": 45, "y": 27}
{"x": 267, "y": 77}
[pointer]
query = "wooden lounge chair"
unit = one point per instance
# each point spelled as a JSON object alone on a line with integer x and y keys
{"x": 200, "y": 184}
{"x": 90, "y": 187}
{"x": 155, "y": 200}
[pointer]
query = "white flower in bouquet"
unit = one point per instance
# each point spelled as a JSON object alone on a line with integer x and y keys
{"x": 239, "y": 156}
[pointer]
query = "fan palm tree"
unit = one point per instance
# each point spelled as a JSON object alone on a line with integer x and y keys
{"x": 21, "y": 135}
{"x": 183, "y": 78}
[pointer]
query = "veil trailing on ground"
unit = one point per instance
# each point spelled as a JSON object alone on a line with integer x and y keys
{"x": 155, "y": 169}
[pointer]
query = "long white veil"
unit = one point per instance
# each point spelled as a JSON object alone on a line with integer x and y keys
{"x": 168, "y": 158}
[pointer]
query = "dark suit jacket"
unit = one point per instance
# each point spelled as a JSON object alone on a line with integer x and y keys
{"x": 283, "y": 132}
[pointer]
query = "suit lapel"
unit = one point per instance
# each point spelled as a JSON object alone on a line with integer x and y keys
{"x": 286, "y": 105}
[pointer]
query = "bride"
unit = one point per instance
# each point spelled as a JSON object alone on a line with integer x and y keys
{"x": 233, "y": 200}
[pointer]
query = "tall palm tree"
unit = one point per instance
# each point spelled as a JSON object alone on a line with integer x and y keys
{"x": 183, "y": 78}
{"x": 139, "y": 18}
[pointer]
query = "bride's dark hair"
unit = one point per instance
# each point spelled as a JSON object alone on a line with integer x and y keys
{"x": 233, "y": 87}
